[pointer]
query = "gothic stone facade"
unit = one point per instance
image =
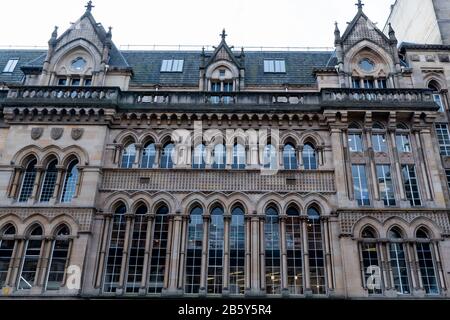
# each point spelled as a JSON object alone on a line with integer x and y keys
{"x": 340, "y": 190}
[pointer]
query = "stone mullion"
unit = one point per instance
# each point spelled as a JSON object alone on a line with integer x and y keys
{"x": 137, "y": 157}
{"x": 147, "y": 252}
{"x": 422, "y": 162}
{"x": 16, "y": 261}
{"x": 254, "y": 255}
{"x": 306, "y": 270}
{"x": 58, "y": 184}
{"x": 158, "y": 151}
{"x": 328, "y": 266}
{"x": 417, "y": 267}
{"x": 18, "y": 172}
{"x": 435, "y": 250}
{"x": 339, "y": 152}
{"x": 372, "y": 179}
{"x": 262, "y": 253}
{"x": 37, "y": 180}
{"x": 284, "y": 275}
{"x": 226, "y": 255}
{"x": 168, "y": 252}
{"x": 204, "y": 267}
{"x": 183, "y": 252}
{"x": 383, "y": 265}
{"x": 299, "y": 152}
{"x": 175, "y": 252}
{"x": 101, "y": 264}
{"x": 389, "y": 273}
{"x": 126, "y": 248}
{"x": 40, "y": 263}
{"x": 46, "y": 255}
{"x": 397, "y": 166}
{"x": 249, "y": 263}
{"x": 411, "y": 264}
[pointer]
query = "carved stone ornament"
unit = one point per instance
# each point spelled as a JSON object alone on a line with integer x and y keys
{"x": 36, "y": 133}
{"x": 56, "y": 133}
{"x": 77, "y": 133}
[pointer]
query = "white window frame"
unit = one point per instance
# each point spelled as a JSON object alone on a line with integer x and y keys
{"x": 11, "y": 65}
{"x": 274, "y": 66}
{"x": 172, "y": 65}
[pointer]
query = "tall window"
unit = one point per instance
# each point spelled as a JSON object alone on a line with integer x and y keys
{"x": 272, "y": 251}
{"x": 355, "y": 142}
{"x": 309, "y": 157}
{"x": 128, "y": 156}
{"x": 7, "y": 243}
{"x": 360, "y": 185}
{"x": 194, "y": 251}
{"x": 447, "y": 173}
{"x": 315, "y": 251}
{"x": 411, "y": 185}
{"x": 167, "y": 156}
{"x": 199, "y": 156}
{"x": 403, "y": 143}
{"x": 28, "y": 273}
{"x": 371, "y": 268}
{"x": 398, "y": 262}
{"x": 59, "y": 258}
{"x": 148, "y": 156}
{"x": 426, "y": 262}
{"x": 379, "y": 142}
{"x": 49, "y": 184}
{"x": 356, "y": 83}
{"x": 270, "y": 159}
{"x": 238, "y": 157}
{"x": 385, "y": 184}
{"x": 437, "y": 97}
{"x": 215, "y": 251}
{"x": 159, "y": 249}
{"x": 237, "y": 251}
{"x": 70, "y": 182}
{"x": 294, "y": 251}
{"x": 289, "y": 157}
{"x": 219, "y": 156}
{"x": 115, "y": 250}
{"x": 28, "y": 180}
{"x": 443, "y": 138}
{"x": 135, "y": 270}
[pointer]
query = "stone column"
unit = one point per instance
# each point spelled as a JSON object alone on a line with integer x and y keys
{"x": 59, "y": 185}
{"x": 412, "y": 265}
{"x": 300, "y": 156}
{"x": 148, "y": 248}
{"x": 168, "y": 253}
{"x": 175, "y": 254}
{"x": 183, "y": 249}
{"x": 423, "y": 161}
{"x": 105, "y": 236}
{"x": 137, "y": 157}
{"x": 16, "y": 261}
{"x": 46, "y": 254}
{"x": 126, "y": 245}
{"x": 373, "y": 172}
{"x": 340, "y": 165}
{"x": 158, "y": 151}
{"x": 419, "y": 273}
{"x": 229, "y": 155}
{"x": 254, "y": 254}
{"x": 34, "y": 195}
{"x": 40, "y": 263}
{"x": 204, "y": 269}
{"x": 226, "y": 255}
{"x": 262, "y": 253}
{"x": 305, "y": 250}
{"x": 397, "y": 167}
{"x": 18, "y": 172}
{"x": 435, "y": 248}
{"x": 383, "y": 265}
{"x": 328, "y": 265}
{"x": 284, "y": 275}
{"x": 117, "y": 153}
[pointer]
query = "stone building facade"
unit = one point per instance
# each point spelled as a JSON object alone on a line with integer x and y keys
{"x": 225, "y": 172}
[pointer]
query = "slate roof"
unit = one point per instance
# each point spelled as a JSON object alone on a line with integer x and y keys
{"x": 146, "y": 66}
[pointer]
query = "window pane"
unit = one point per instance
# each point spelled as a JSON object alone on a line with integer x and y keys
{"x": 411, "y": 185}
{"x": 28, "y": 272}
{"x": 70, "y": 182}
{"x": 385, "y": 184}
{"x": 194, "y": 251}
{"x": 290, "y": 157}
{"x": 399, "y": 268}
{"x": 316, "y": 253}
{"x": 294, "y": 254}
{"x": 443, "y": 138}
{"x": 159, "y": 249}
{"x": 379, "y": 143}
{"x": 355, "y": 142}
{"x": 167, "y": 157}
{"x": 403, "y": 144}
{"x": 360, "y": 185}
{"x": 272, "y": 252}
{"x": 59, "y": 256}
{"x": 48, "y": 186}
{"x": 215, "y": 252}
{"x": 427, "y": 269}
{"x": 237, "y": 252}
{"x": 238, "y": 157}
{"x": 219, "y": 157}
{"x": 128, "y": 156}
{"x": 148, "y": 156}
{"x": 309, "y": 157}
{"x": 371, "y": 268}
{"x": 28, "y": 180}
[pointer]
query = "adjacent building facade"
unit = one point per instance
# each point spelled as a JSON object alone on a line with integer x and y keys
{"x": 226, "y": 172}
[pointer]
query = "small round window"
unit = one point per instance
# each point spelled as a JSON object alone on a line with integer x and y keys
{"x": 367, "y": 65}
{"x": 78, "y": 64}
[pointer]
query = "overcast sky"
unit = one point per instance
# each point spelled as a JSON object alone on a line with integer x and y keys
{"x": 279, "y": 23}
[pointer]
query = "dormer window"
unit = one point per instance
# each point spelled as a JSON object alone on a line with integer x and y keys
{"x": 78, "y": 64}
{"x": 172, "y": 65}
{"x": 274, "y": 66}
{"x": 367, "y": 65}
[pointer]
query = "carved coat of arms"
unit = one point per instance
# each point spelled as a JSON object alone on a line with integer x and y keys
{"x": 77, "y": 133}
{"x": 56, "y": 133}
{"x": 36, "y": 133}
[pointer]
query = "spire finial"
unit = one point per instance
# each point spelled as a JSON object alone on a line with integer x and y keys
{"x": 55, "y": 32}
{"x": 89, "y": 6}
{"x": 359, "y": 5}
{"x": 223, "y": 35}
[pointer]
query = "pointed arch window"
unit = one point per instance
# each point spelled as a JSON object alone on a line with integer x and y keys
{"x": 159, "y": 249}
{"x": 28, "y": 180}
{"x": 215, "y": 251}
{"x": 135, "y": 269}
{"x": 49, "y": 183}
{"x": 437, "y": 97}
{"x": 59, "y": 258}
{"x": 237, "y": 251}
{"x": 316, "y": 252}
{"x": 199, "y": 156}
{"x": 115, "y": 250}
{"x": 427, "y": 266}
{"x": 219, "y": 156}
{"x": 270, "y": 160}
{"x": 194, "y": 251}
{"x": 290, "y": 157}
{"x": 28, "y": 274}
{"x": 128, "y": 156}
{"x": 70, "y": 182}
{"x": 294, "y": 251}
{"x": 398, "y": 260}
{"x": 167, "y": 156}
{"x": 272, "y": 251}
{"x": 370, "y": 263}
{"x": 148, "y": 155}
{"x": 7, "y": 244}
{"x": 309, "y": 157}
{"x": 238, "y": 157}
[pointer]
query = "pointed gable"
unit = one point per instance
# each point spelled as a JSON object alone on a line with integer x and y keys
{"x": 224, "y": 52}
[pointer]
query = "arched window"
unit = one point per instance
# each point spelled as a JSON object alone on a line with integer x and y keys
{"x": 270, "y": 160}
{"x": 199, "y": 156}
{"x": 219, "y": 156}
{"x": 238, "y": 157}
{"x": 290, "y": 157}
{"x": 398, "y": 259}
{"x": 7, "y": 243}
{"x": 59, "y": 258}
{"x": 167, "y": 156}
{"x": 434, "y": 85}
{"x": 135, "y": 270}
{"x": 28, "y": 273}
{"x": 115, "y": 250}
{"x": 70, "y": 182}
{"x": 237, "y": 251}
{"x": 309, "y": 157}
{"x": 194, "y": 251}
{"x": 371, "y": 267}
{"x": 128, "y": 156}
{"x": 315, "y": 253}
{"x": 215, "y": 251}
{"x": 28, "y": 180}
{"x": 159, "y": 249}
{"x": 272, "y": 251}
{"x": 148, "y": 155}
{"x": 49, "y": 183}
{"x": 427, "y": 267}
{"x": 294, "y": 250}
